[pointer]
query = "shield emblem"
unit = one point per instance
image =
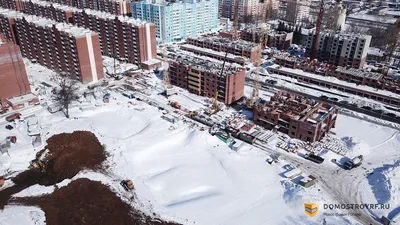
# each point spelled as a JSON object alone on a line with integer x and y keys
{"x": 311, "y": 208}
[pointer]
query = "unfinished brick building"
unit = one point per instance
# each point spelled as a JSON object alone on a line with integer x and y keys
{"x": 299, "y": 117}
{"x": 277, "y": 39}
{"x": 13, "y": 78}
{"x": 236, "y": 47}
{"x": 203, "y": 77}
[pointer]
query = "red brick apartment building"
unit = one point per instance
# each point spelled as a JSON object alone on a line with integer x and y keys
{"x": 121, "y": 37}
{"x": 202, "y": 77}
{"x": 54, "y": 11}
{"x": 300, "y": 118}
{"x": 236, "y": 47}
{"x": 58, "y": 46}
{"x": 116, "y": 7}
{"x": 13, "y": 78}
{"x": 277, "y": 39}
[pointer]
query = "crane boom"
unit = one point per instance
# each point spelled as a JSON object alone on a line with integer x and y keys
{"x": 314, "y": 48}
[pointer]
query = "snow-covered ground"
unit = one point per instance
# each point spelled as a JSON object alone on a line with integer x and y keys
{"x": 192, "y": 177}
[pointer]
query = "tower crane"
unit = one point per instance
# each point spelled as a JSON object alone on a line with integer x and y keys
{"x": 262, "y": 39}
{"x": 314, "y": 48}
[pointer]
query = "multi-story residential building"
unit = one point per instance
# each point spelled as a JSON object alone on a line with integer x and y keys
{"x": 202, "y": 76}
{"x": 116, "y": 7}
{"x": 176, "y": 21}
{"x": 58, "y": 46}
{"x": 54, "y": 11}
{"x": 224, "y": 45}
{"x": 340, "y": 49}
{"x": 121, "y": 37}
{"x": 13, "y": 79}
{"x": 297, "y": 116}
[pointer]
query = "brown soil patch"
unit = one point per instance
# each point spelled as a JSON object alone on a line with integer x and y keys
{"x": 87, "y": 202}
{"x": 71, "y": 153}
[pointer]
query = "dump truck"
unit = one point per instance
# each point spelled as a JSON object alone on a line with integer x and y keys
{"x": 314, "y": 158}
{"x": 127, "y": 185}
{"x": 12, "y": 117}
{"x": 353, "y": 163}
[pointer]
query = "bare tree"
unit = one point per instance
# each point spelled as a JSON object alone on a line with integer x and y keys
{"x": 68, "y": 87}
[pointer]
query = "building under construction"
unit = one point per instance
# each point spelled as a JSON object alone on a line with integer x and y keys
{"x": 276, "y": 39}
{"x": 246, "y": 49}
{"x": 299, "y": 117}
{"x": 206, "y": 77}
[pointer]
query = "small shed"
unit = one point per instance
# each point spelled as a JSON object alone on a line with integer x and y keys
{"x": 238, "y": 144}
{"x": 170, "y": 118}
{"x": 37, "y": 141}
{"x": 223, "y": 136}
{"x": 308, "y": 181}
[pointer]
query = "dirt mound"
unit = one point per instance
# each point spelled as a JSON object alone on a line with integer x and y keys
{"x": 87, "y": 202}
{"x": 70, "y": 153}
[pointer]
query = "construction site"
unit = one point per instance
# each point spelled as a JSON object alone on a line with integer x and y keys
{"x": 300, "y": 118}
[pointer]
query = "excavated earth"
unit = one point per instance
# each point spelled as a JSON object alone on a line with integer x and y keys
{"x": 87, "y": 202}
{"x": 82, "y": 201}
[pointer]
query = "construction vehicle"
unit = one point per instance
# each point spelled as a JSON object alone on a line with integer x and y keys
{"x": 175, "y": 105}
{"x": 353, "y": 163}
{"x": 1, "y": 181}
{"x": 314, "y": 158}
{"x": 12, "y": 117}
{"x": 127, "y": 185}
{"x": 4, "y": 109}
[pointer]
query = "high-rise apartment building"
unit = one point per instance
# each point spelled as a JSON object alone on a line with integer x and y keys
{"x": 340, "y": 49}
{"x": 58, "y": 46}
{"x": 176, "y": 21}
{"x": 202, "y": 76}
{"x": 120, "y": 37}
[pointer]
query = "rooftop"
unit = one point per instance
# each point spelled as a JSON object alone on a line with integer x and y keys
{"x": 373, "y": 18}
{"x": 217, "y": 53}
{"x": 206, "y": 64}
{"x": 109, "y": 16}
{"x": 236, "y": 44}
{"x": 10, "y": 13}
{"x": 359, "y": 73}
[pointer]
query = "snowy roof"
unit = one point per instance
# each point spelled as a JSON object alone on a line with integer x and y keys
{"x": 22, "y": 99}
{"x": 359, "y": 73}
{"x": 337, "y": 81}
{"x": 55, "y": 5}
{"x": 206, "y": 64}
{"x": 373, "y": 18}
{"x": 236, "y": 44}
{"x": 11, "y": 13}
{"x": 375, "y": 51}
{"x": 109, "y": 16}
{"x": 206, "y": 50}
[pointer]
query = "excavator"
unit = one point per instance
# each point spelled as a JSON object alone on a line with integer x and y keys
{"x": 127, "y": 185}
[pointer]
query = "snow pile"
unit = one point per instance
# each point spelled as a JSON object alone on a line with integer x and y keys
{"x": 356, "y": 146}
